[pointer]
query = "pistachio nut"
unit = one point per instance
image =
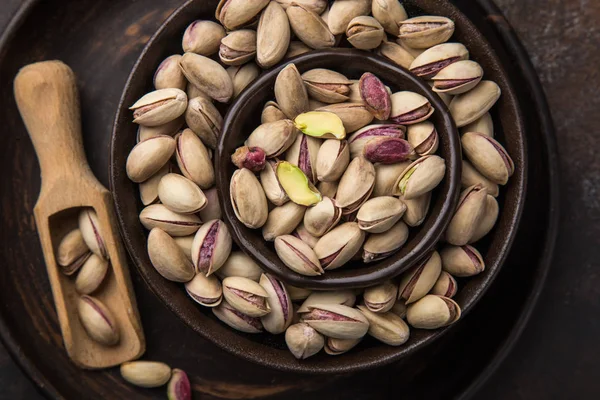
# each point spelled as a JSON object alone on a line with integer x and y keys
{"x": 380, "y": 298}
{"x": 381, "y": 245}
{"x": 386, "y": 327}
{"x": 167, "y": 257}
{"x": 317, "y": 6}
{"x": 389, "y": 13}
{"x": 212, "y": 210}
{"x": 412, "y": 51}
{"x": 394, "y": 52}
{"x": 211, "y": 246}
{"x": 91, "y": 275}
{"x": 168, "y": 74}
{"x": 335, "y": 347}
{"x": 237, "y": 320}
{"x": 435, "y": 59}
{"x": 488, "y": 220}
{"x": 303, "y": 154}
{"x": 433, "y": 312}
{"x": 375, "y": 96}
{"x": 208, "y": 76}
{"x": 344, "y": 297}
{"x": 469, "y": 107}
{"x": 423, "y": 137}
{"x": 148, "y": 157}
{"x": 203, "y": 37}
{"x": 242, "y": 76}
{"x": 297, "y": 293}
{"x": 270, "y": 184}
{"x": 297, "y": 186}
{"x": 321, "y": 218}
{"x": 399, "y": 308}
{"x": 359, "y": 138}
{"x": 458, "y": 77}
{"x": 174, "y": 224}
{"x": 290, "y": 91}
{"x": 97, "y": 320}
{"x": 470, "y": 176}
{"x": 282, "y": 220}
{"x": 303, "y": 234}
{"x": 339, "y": 245}
{"x": 356, "y": 185}
{"x": 273, "y": 137}
{"x": 168, "y": 129}
{"x": 388, "y": 150}
{"x": 410, "y": 108}
{"x": 321, "y": 124}
{"x": 180, "y": 195}
{"x": 179, "y": 387}
{"x": 297, "y": 255}
{"x": 278, "y": 300}
{"x": 206, "y": 291}
{"x": 149, "y": 188}
{"x": 379, "y": 214}
{"x": 238, "y": 47}
{"x": 92, "y": 232}
{"x": 193, "y": 92}
{"x": 353, "y": 115}
{"x": 386, "y": 176}
{"x": 446, "y": 98}
{"x": 354, "y": 95}
{"x": 194, "y": 160}
{"x": 239, "y": 264}
{"x": 462, "y": 261}
{"x": 328, "y": 189}
{"x": 344, "y": 11}
{"x": 296, "y": 48}
{"x": 72, "y": 252}
{"x": 309, "y": 27}
{"x": 271, "y": 113}
{"x": 418, "y": 281}
{"x": 159, "y": 107}
{"x": 337, "y": 321}
{"x": 483, "y": 124}
{"x": 420, "y": 177}
{"x": 185, "y": 244}
{"x": 425, "y": 31}
{"x": 234, "y": 14}
{"x": 468, "y": 215}
{"x": 416, "y": 209}
{"x": 147, "y": 374}
{"x": 445, "y": 285}
{"x": 273, "y": 35}
{"x": 246, "y": 296}
{"x": 326, "y": 86}
{"x": 365, "y": 33}
{"x": 303, "y": 340}
{"x": 248, "y": 199}
{"x": 488, "y": 156}
{"x": 332, "y": 160}
{"x": 252, "y": 158}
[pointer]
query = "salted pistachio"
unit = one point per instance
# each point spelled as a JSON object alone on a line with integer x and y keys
{"x": 246, "y": 296}
{"x": 167, "y": 257}
{"x": 488, "y": 220}
{"x": 240, "y": 264}
{"x": 148, "y": 157}
{"x": 326, "y": 85}
{"x": 309, "y": 27}
{"x": 387, "y": 150}
{"x": 332, "y": 160}
{"x": 179, "y": 387}
{"x": 321, "y": 124}
{"x": 282, "y": 220}
{"x": 278, "y": 300}
{"x": 386, "y": 327}
{"x": 296, "y": 48}
{"x": 242, "y": 76}
{"x": 410, "y": 108}
{"x": 353, "y": 115}
{"x": 483, "y": 124}
{"x": 423, "y": 137}
{"x": 389, "y": 13}
{"x": 194, "y": 160}
{"x": 212, "y": 210}
{"x": 356, "y": 185}
{"x": 252, "y": 158}
{"x": 420, "y": 177}
{"x": 97, "y": 320}
{"x": 91, "y": 275}
{"x": 238, "y": 47}
{"x": 344, "y": 11}
{"x": 297, "y": 293}
{"x": 297, "y": 255}
{"x": 208, "y": 76}
{"x": 433, "y": 312}
{"x": 303, "y": 340}
{"x": 146, "y": 374}
{"x": 180, "y": 195}
{"x": 273, "y": 137}
{"x": 234, "y": 14}
{"x": 381, "y": 245}
{"x": 211, "y": 246}
{"x": 248, "y": 199}
{"x": 168, "y": 74}
{"x": 206, "y": 291}
{"x": 344, "y": 297}
{"x": 273, "y": 35}
{"x": 418, "y": 281}
{"x": 271, "y": 185}
{"x": 365, "y": 33}
{"x": 328, "y": 189}
{"x": 203, "y": 37}
{"x": 468, "y": 215}
{"x": 303, "y": 154}
{"x": 425, "y": 31}
{"x": 469, "y": 107}
{"x": 296, "y": 184}
{"x": 92, "y": 232}
{"x": 149, "y": 188}
{"x": 339, "y": 245}
{"x": 379, "y": 214}
{"x": 303, "y": 234}
{"x": 470, "y": 176}
{"x": 380, "y": 298}
{"x": 185, "y": 244}
{"x": 458, "y": 77}
{"x": 159, "y": 107}
{"x": 271, "y": 113}
{"x": 236, "y": 319}
{"x": 399, "y": 308}
{"x": 488, "y": 156}
{"x": 462, "y": 261}
{"x": 72, "y": 252}
{"x": 321, "y": 218}
{"x": 396, "y": 53}
{"x": 317, "y": 6}
{"x": 386, "y": 176}
{"x": 359, "y": 138}
{"x": 168, "y": 129}
{"x": 336, "y": 347}
{"x": 435, "y": 59}
{"x": 416, "y": 209}
{"x": 337, "y": 321}
{"x": 375, "y": 96}
{"x": 445, "y": 285}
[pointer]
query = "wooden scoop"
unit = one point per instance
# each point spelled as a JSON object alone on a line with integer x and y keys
{"x": 47, "y": 98}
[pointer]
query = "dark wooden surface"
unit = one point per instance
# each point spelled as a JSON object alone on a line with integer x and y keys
{"x": 557, "y": 356}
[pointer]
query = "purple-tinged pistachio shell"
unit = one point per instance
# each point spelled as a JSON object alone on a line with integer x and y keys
{"x": 271, "y": 185}
{"x": 335, "y": 347}
{"x": 97, "y": 320}
{"x": 303, "y": 154}
{"x": 238, "y": 47}
{"x": 425, "y": 31}
{"x": 167, "y": 257}
{"x": 174, "y": 224}
{"x": 339, "y": 245}
{"x": 445, "y": 285}
{"x": 379, "y": 214}
{"x": 359, "y": 138}
{"x": 303, "y": 340}
{"x": 203, "y": 37}
{"x": 344, "y": 297}
{"x": 356, "y": 185}
{"x": 211, "y": 247}
{"x": 326, "y": 85}
{"x": 488, "y": 156}
{"x": 322, "y": 217}
{"x": 365, "y": 33}
{"x": 433, "y": 312}
{"x": 212, "y": 210}
{"x": 468, "y": 215}
{"x": 337, "y": 321}
{"x": 72, "y": 252}
{"x": 386, "y": 327}
{"x": 280, "y": 317}
{"x": 423, "y": 137}
{"x": 389, "y": 13}
{"x": 488, "y": 220}
{"x": 462, "y": 261}
{"x": 205, "y": 290}
{"x": 418, "y": 281}
{"x": 435, "y": 59}
{"x": 92, "y": 232}
{"x": 332, "y": 160}
{"x": 381, "y": 298}
{"x": 382, "y": 245}
{"x": 410, "y": 108}
{"x": 297, "y": 255}
{"x": 159, "y": 107}
{"x": 246, "y": 296}
{"x": 420, "y": 177}
{"x": 458, "y": 77}
{"x": 237, "y": 320}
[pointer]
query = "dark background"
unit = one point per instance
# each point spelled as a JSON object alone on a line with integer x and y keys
{"x": 558, "y": 355}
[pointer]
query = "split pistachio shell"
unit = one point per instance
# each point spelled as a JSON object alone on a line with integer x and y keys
{"x": 146, "y": 374}
{"x": 271, "y": 113}
{"x": 273, "y": 137}
{"x": 149, "y": 188}
{"x": 381, "y": 245}
{"x": 270, "y": 184}
{"x": 211, "y": 247}
{"x": 282, "y": 220}
{"x": 469, "y": 107}
{"x": 297, "y": 255}
{"x": 240, "y": 264}
{"x": 322, "y": 217}
{"x": 168, "y": 74}
{"x": 435, "y": 59}
{"x": 205, "y": 120}
{"x": 297, "y": 186}
{"x": 337, "y": 321}
{"x": 208, "y": 76}
{"x": 309, "y": 27}
{"x": 483, "y": 124}
{"x": 365, "y": 33}
{"x": 462, "y": 261}
{"x": 339, "y": 245}
{"x": 194, "y": 160}
{"x": 470, "y": 176}
{"x": 303, "y": 154}
{"x": 387, "y": 327}
{"x": 321, "y": 124}
{"x": 353, "y": 115}
{"x": 343, "y": 11}
{"x": 379, "y": 214}
{"x": 296, "y": 48}
{"x": 179, "y": 387}
{"x": 389, "y": 13}
{"x": 356, "y": 185}
{"x": 206, "y": 291}
{"x": 458, "y": 77}
{"x": 335, "y": 347}
{"x": 148, "y": 157}
{"x": 421, "y": 177}
{"x": 278, "y": 300}
{"x": 332, "y": 160}
{"x": 425, "y": 31}
{"x": 433, "y": 312}
{"x": 234, "y": 14}
{"x": 326, "y": 85}
{"x": 303, "y": 234}
{"x": 375, "y": 96}
{"x": 344, "y": 297}
{"x": 159, "y": 107}
{"x": 248, "y": 199}
{"x": 273, "y": 35}
{"x": 359, "y": 138}
{"x": 386, "y": 176}
{"x": 410, "y": 108}
{"x": 168, "y": 258}
{"x": 317, "y": 6}
{"x": 399, "y": 308}
{"x": 298, "y": 293}
{"x": 181, "y": 195}
{"x": 468, "y": 215}
{"x": 303, "y": 340}
{"x": 168, "y": 129}
{"x": 72, "y": 252}
{"x": 91, "y": 275}
{"x": 418, "y": 281}
{"x": 92, "y": 232}
{"x": 488, "y": 156}
{"x": 423, "y": 137}
{"x": 380, "y": 298}
{"x": 488, "y": 220}
{"x": 238, "y": 47}
{"x": 174, "y": 224}
{"x": 237, "y": 320}
{"x": 395, "y": 52}
{"x": 416, "y": 209}
{"x": 290, "y": 91}
{"x": 246, "y": 296}
{"x": 328, "y": 189}
{"x": 212, "y": 210}
{"x": 97, "y": 320}
{"x": 203, "y": 37}
{"x": 445, "y": 285}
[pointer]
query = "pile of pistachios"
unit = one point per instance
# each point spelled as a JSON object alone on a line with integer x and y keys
{"x": 331, "y": 199}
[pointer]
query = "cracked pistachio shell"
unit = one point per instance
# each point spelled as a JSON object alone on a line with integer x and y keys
{"x": 335, "y": 347}
{"x": 343, "y": 11}
{"x": 425, "y": 31}
{"x": 238, "y": 47}
{"x": 271, "y": 113}
{"x": 149, "y": 188}
{"x": 91, "y": 275}
{"x": 146, "y": 374}
{"x": 248, "y": 199}
{"x": 303, "y": 154}
{"x": 381, "y": 245}
{"x": 418, "y": 281}
{"x": 470, "y": 176}
{"x": 211, "y": 247}
{"x": 303, "y": 234}
{"x": 233, "y": 14}
{"x": 488, "y": 156}
{"x": 326, "y": 86}
{"x": 433, "y": 312}
{"x": 416, "y": 209}
{"x": 168, "y": 129}
{"x": 339, "y": 245}
{"x": 435, "y": 59}
{"x": 242, "y": 76}
{"x": 386, "y": 176}
{"x": 389, "y": 13}
{"x": 296, "y": 48}
{"x": 317, "y": 6}
{"x": 159, "y": 107}
{"x": 270, "y": 184}
{"x": 206, "y": 291}
{"x": 353, "y": 115}
{"x": 359, "y": 138}
{"x": 445, "y": 285}
{"x": 240, "y": 264}
{"x": 483, "y": 124}
{"x": 322, "y": 217}
{"x": 278, "y": 300}
{"x": 273, "y": 35}
{"x": 344, "y": 297}
{"x": 386, "y": 327}
{"x": 309, "y": 27}
{"x": 332, "y": 160}
{"x": 488, "y": 220}
{"x": 468, "y": 215}
{"x": 380, "y": 298}
{"x": 297, "y": 185}
{"x": 328, "y": 189}
{"x": 175, "y": 224}
{"x": 396, "y": 53}
{"x": 410, "y": 108}
{"x": 273, "y": 137}
{"x": 72, "y": 252}
{"x": 379, "y": 214}
{"x": 356, "y": 185}
{"x": 212, "y": 210}
{"x": 167, "y": 257}
{"x": 179, "y": 387}
{"x": 237, "y": 320}
{"x": 290, "y": 92}
{"x": 208, "y": 76}
{"x": 193, "y": 159}
{"x": 168, "y": 74}
{"x": 375, "y": 96}
{"x": 458, "y": 77}
{"x": 462, "y": 261}
{"x": 365, "y": 33}
{"x": 185, "y": 244}
{"x": 469, "y": 107}
{"x": 282, "y": 220}
{"x": 423, "y": 137}
{"x": 297, "y": 255}
{"x": 148, "y": 157}
{"x": 297, "y": 293}
{"x": 246, "y": 296}
{"x": 399, "y": 308}
{"x": 180, "y": 195}
{"x": 203, "y": 37}
{"x": 337, "y": 321}
{"x": 420, "y": 177}
{"x": 97, "y": 320}
{"x": 303, "y": 340}
{"x": 321, "y": 124}
{"x": 92, "y": 232}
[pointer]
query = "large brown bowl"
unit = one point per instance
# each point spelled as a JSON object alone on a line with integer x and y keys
{"x": 269, "y": 350}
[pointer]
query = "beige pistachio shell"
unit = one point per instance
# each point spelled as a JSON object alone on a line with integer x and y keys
{"x": 421, "y": 177}
{"x": 488, "y": 156}
{"x": 317, "y": 6}
{"x": 412, "y": 51}
{"x": 470, "y": 176}
{"x": 208, "y": 76}
{"x": 149, "y": 188}
{"x": 234, "y": 14}
{"x": 283, "y": 220}
{"x": 185, "y": 244}
{"x": 458, "y": 77}
{"x": 238, "y": 47}
{"x": 303, "y": 154}
{"x": 445, "y": 285}
{"x": 365, "y": 33}
{"x": 296, "y": 48}
{"x": 97, "y": 320}
{"x": 146, "y": 374}
{"x": 271, "y": 113}
{"x": 410, "y": 108}
{"x": 206, "y": 291}
{"x": 180, "y": 195}
{"x": 246, "y": 296}
{"x": 469, "y": 107}
{"x": 174, "y": 224}
{"x": 335, "y": 347}
{"x": 321, "y": 218}
{"x": 468, "y": 215}
{"x": 433, "y": 312}
{"x": 328, "y": 189}
{"x": 203, "y": 37}
{"x": 298, "y": 293}
{"x": 381, "y": 298}
{"x": 194, "y": 160}
{"x": 290, "y": 91}
{"x": 436, "y": 58}
{"x": 273, "y": 35}
{"x": 381, "y": 245}
{"x": 211, "y": 247}
{"x": 270, "y": 184}
{"x": 425, "y": 31}
{"x": 212, "y": 210}
{"x": 416, "y": 209}
{"x": 386, "y": 176}
{"x": 167, "y": 257}
{"x": 240, "y": 264}
{"x": 193, "y": 92}
{"x": 148, "y": 157}
{"x": 395, "y": 53}
{"x": 237, "y": 320}
{"x": 462, "y": 261}
{"x": 303, "y": 340}
{"x": 423, "y": 137}
{"x": 356, "y": 185}
{"x": 248, "y": 199}
{"x": 159, "y": 107}
{"x": 168, "y": 74}
{"x": 339, "y": 245}
{"x": 379, "y": 214}
{"x": 242, "y": 76}
{"x": 72, "y": 252}
{"x": 309, "y": 27}
{"x": 418, "y": 281}
{"x": 344, "y": 297}
{"x": 387, "y": 327}
{"x": 273, "y": 137}
{"x": 278, "y": 300}
{"x": 389, "y": 13}
{"x": 168, "y": 129}
{"x": 326, "y": 86}
{"x": 303, "y": 234}
{"x": 92, "y": 232}
{"x": 337, "y": 321}
{"x": 91, "y": 275}
{"x": 332, "y": 160}
{"x": 343, "y": 11}
{"x": 297, "y": 255}
{"x": 353, "y": 115}
{"x": 488, "y": 220}
{"x": 483, "y": 124}
{"x": 399, "y": 308}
